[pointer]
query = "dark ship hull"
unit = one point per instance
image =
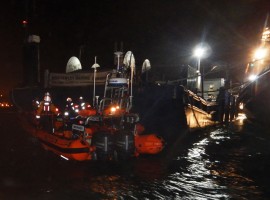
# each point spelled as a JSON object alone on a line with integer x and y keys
{"x": 255, "y": 98}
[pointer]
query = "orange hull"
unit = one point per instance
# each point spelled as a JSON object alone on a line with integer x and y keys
{"x": 62, "y": 144}
{"x": 73, "y": 149}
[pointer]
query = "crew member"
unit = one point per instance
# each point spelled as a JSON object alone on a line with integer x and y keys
{"x": 232, "y": 107}
{"x": 223, "y": 100}
{"x": 82, "y": 104}
{"x": 227, "y": 106}
{"x": 46, "y": 113}
{"x": 85, "y": 109}
{"x": 69, "y": 114}
{"x": 221, "y": 104}
{"x": 70, "y": 109}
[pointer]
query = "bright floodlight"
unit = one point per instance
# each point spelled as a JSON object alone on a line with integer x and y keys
{"x": 252, "y": 77}
{"x": 199, "y": 52}
{"x": 260, "y": 53}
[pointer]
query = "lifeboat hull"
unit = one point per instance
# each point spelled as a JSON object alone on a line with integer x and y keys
{"x": 72, "y": 149}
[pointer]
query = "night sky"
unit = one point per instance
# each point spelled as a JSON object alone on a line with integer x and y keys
{"x": 165, "y": 32}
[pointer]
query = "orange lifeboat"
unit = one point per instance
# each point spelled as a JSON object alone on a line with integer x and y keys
{"x": 99, "y": 142}
{"x": 62, "y": 144}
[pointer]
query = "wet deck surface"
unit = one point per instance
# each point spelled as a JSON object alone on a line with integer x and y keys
{"x": 219, "y": 163}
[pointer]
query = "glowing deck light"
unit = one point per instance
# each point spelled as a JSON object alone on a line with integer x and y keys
{"x": 260, "y": 54}
{"x": 266, "y": 34}
{"x": 24, "y": 22}
{"x": 113, "y": 109}
{"x": 241, "y": 116}
{"x": 252, "y": 77}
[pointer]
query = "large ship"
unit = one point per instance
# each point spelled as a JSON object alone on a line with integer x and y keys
{"x": 255, "y": 94}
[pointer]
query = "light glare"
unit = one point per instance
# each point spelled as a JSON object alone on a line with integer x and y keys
{"x": 252, "y": 77}
{"x": 260, "y": 53}
{"x": 113, "y": 109}
{"x": 199, "y": 52}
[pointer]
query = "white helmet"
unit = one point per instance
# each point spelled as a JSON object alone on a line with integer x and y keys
{"x": 47, "y": 97}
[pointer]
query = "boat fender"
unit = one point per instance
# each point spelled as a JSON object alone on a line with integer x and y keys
{"x": 149, "y": 144}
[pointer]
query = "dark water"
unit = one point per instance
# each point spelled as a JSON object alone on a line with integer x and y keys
{"x": 221, "y": 163}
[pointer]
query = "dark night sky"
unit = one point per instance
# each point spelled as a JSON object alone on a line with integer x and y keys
{"x": 165, "y": 32}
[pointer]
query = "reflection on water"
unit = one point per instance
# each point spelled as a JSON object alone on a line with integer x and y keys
{"x": 222, "y": 163}
{"x": 195, "y": 180}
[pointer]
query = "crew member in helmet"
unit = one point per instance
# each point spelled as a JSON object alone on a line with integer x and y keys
{"x": 46, "y": 106}
{"x": 70, "y": 109}
{"x": 85, "y": 109}
{"x": 82, "y": 104}
{"x": 69, "y": 114}
{"x": 46, "y": 113}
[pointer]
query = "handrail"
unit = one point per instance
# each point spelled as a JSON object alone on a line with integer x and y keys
{"x": 101, "y": 104}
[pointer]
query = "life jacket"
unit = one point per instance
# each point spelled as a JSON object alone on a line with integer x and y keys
{"x": 46, "y": 108}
